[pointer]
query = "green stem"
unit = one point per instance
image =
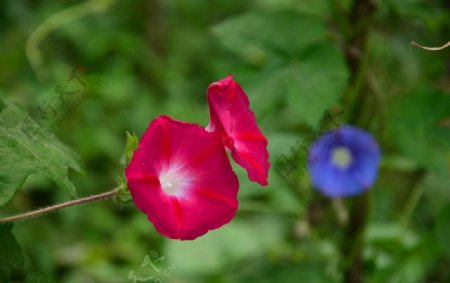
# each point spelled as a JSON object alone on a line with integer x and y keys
{"x": 411, "y": 206}
{"x": 357, "y": 94}
{"x": 357, "y": 51}
{"x": 414, "y": 198}
{"x": 356, "y": 236}
{"x": 55, "y": 21}
{"x": 56, "y": 207}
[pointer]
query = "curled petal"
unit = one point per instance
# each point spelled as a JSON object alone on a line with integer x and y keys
{"x": 232, "y": 118}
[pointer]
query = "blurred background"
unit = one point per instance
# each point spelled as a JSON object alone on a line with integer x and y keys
{"x": 126, "y": 62}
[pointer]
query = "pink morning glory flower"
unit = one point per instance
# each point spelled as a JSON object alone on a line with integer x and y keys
{"x": 232, "y": 117}
{"x": 180, "y": 176}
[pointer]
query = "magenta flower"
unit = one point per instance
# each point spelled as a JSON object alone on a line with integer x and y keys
{"x": 180, "y": 176}
{"x": 232, "y": 118}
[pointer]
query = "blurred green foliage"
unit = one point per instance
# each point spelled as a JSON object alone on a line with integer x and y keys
{"x": 11, "y": 256}
{"x": 293, "y": 58}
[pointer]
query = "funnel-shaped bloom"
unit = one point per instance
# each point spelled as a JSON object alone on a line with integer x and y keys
{"x": 344, "y": 162}
{"x": 232, "y": 118}
{"x": 181, "y": 178}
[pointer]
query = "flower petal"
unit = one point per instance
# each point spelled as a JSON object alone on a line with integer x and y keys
{"x": 232, "y": 118}
{"x": 181, "y": 178}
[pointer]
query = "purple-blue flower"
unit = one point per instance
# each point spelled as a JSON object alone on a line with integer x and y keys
{"x": 344, "y": 162}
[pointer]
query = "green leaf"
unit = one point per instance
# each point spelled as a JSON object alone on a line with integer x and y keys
{"x": 419, "y": 128}
{"x": 123, "y": 194}
{"x": 311, "y": 272}
{"x": 132, "y": 145}
{"x": 305, "y": 88}
{"x": 27, "y": 148}
{"x": 286, "y": 32}
{"x": 301, "y": 73}
{"x": 321, "y": 8}
{"x": 391, "y": 234}
{"x": 315, "y": 83}
{"x": 442, "y": 230}
{"x": 11, "y": 257}
{"x": 38, "y": 277}
{"x": 235, "y": 241}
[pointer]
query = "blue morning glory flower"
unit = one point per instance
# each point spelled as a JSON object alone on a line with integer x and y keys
{"x": 344, "y": 162}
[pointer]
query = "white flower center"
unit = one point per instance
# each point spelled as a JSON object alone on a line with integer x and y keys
{"x": 167, "y": 186}
{"x": 341, "y": 157}
{"x": 173, "y": 182}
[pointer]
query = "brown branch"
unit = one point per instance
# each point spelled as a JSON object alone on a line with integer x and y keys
{"x": 59, "y": 206}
